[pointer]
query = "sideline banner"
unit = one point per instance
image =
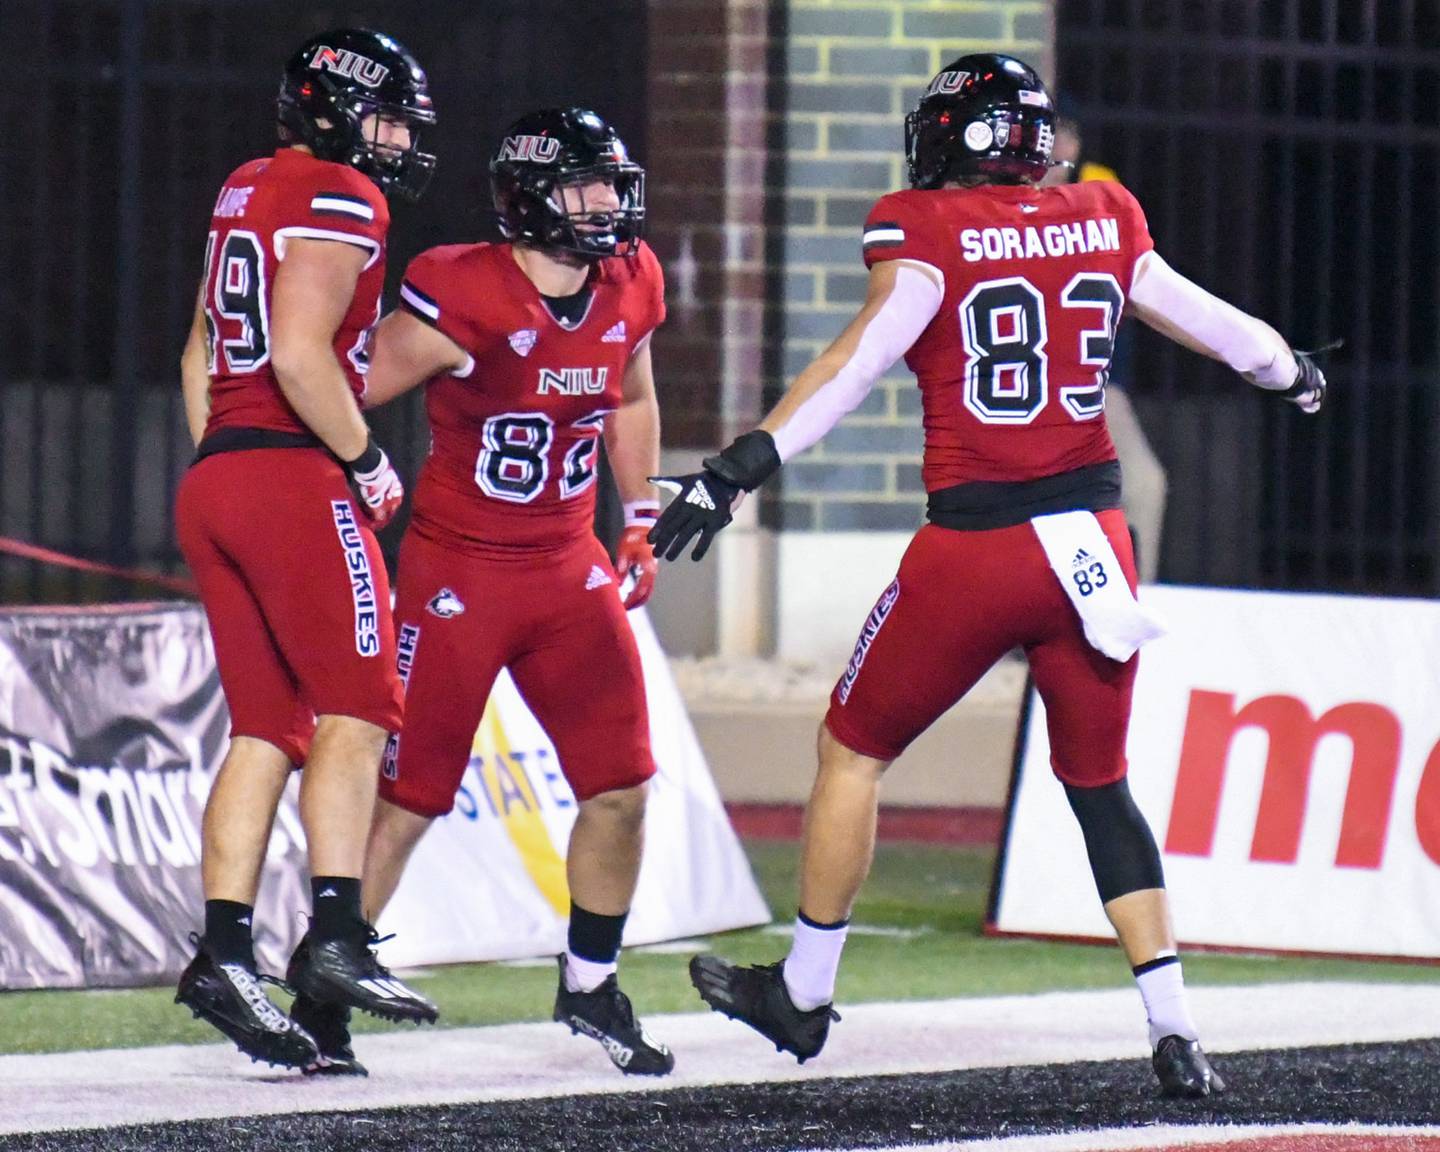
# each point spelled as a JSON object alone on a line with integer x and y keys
{"x": 1286, "y": 751}
{"x": 112, "y": 724}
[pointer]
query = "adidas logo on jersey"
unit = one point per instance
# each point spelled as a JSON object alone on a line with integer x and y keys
{"x": 1082, "y": 558}
{"x": 445, "y": 604}
{"x": 523, "y": 340}
{"x": 598, "y": 578}
{"x": 616, "y": 334}
{"x": 700, "y": 495}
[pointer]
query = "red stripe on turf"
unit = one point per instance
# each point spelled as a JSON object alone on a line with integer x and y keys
{"x": 927, "y": 825}
{"x": 1314, "y": 1142}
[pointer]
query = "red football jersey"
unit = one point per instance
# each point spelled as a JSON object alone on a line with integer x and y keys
{"x": 262, "y": 205}
{"x": 511, "y": 470}
{"x": 1012, "y": 368}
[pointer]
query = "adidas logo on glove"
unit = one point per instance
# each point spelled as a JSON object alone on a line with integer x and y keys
{"x": 700, "y": 496}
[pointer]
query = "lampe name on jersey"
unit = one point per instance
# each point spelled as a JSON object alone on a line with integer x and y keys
{"x": 511, "y": 469}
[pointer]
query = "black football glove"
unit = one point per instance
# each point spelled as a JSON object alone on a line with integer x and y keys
{"x": 703, "y": 499}
{"x": 1308, "y": 391}
{"x": 701, "y": 505}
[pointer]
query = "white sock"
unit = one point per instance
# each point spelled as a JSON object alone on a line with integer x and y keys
{"x": 583, "y": 975}
{"x": 813, "y": 961}
{"x": 1163, "y": 990}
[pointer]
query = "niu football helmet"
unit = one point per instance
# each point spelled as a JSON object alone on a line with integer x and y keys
{"x": 985, "y": 118}
{"x": 339, "y": 78}
{"x": 557, "y": 147}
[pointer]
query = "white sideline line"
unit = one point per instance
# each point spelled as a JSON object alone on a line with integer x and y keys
{"x": 517, "y": 1061}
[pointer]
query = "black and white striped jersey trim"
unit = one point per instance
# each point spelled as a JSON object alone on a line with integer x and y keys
{"x": 882, "y": 234}
{"x": 339, "y": 204}
{"x": 414, "y": 300}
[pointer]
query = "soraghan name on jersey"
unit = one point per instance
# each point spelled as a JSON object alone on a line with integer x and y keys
{"x": 1076, "y": 238}
{"x": 511, "y": 472}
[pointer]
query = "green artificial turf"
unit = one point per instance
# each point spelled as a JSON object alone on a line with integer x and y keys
{"x": 917, "y": 935}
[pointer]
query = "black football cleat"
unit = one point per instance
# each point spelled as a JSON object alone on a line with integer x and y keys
{"x": 1184, "y": 1070}
{"x": 346, "y": 972}
{"x": 606, "y": 1015}
{"x": 757, "y": 996}
{"x": 329, "y": 1025}
{"x": 232, "y": 998}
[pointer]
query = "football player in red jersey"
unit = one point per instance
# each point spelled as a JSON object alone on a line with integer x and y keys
{"x": 1003, "y": 297}
{"x": 286, "y": 560}
{"x": 532, "y": 349}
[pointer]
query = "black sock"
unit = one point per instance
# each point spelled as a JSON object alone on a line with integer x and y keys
{"x": 336, "y": 900}
{"x": 228, "y": 937}
{"x": 594, "y": 937}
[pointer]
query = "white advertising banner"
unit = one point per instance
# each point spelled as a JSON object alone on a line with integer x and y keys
{"x": 488, "y": 881}
{"x": 1286, "y": 751}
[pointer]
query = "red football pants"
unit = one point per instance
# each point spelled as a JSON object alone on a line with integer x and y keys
{"x": 295, "y": 590}
{"x": 960, "y": 602}
{"x": 557, "y": 624}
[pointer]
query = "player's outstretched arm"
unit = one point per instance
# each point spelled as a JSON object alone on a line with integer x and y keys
{"x": 1179, "y": 308}
{"x": 195, "y": 371}
{"x": 406, "y": 352}
{"x": 902, "y": 299}
{"x": 632, "y": 442}
{"x": 312, "y": 293}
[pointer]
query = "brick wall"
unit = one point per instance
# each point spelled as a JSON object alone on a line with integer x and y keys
{"x": 854, "y": 69}
{"x": 712, "y": 150}
{"x": 774, "y": 126}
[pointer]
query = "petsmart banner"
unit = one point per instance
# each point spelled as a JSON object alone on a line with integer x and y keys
{"x": 1286, "y": 751}
{"x": 112, "y": 724}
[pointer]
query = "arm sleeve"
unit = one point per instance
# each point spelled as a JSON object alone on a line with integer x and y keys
{"x": 349, "y": 212}
{"x": 1246, "y": 344}
{"x": 423, "y": 295}
{"x": 907, "y": 311}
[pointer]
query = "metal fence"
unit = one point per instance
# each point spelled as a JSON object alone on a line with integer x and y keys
{"x": 123, "y": 118}
{"x": 1288, "y": 155}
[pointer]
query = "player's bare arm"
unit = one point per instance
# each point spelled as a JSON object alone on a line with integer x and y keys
{"x": 632, "y": 442}
{"x": 405, "y": 353}
{"x": 313, "y": 289}
{"x": 902, "y": 298}
{"x": 195, "y": 372}
{"x": 1181, "y": 310}
{"x": 632, "y": 434}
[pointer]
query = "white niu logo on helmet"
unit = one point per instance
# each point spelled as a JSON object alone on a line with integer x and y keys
{"x": 351, "y": 65}
{"x": 947, "y": 83}
{"x": 536, "y": 149}
{"x": 701, "y": 495}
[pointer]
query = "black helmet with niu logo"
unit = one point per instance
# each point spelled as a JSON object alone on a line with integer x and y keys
{"x": 555, "y": 148}
{"x": 338, "y": 79}
{"x": 985, "y": 118}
